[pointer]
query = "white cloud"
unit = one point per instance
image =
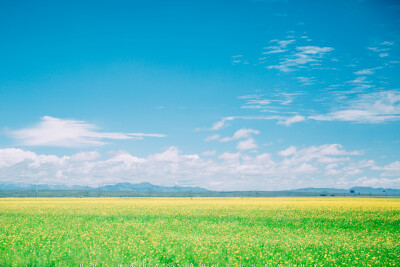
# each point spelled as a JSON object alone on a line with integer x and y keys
{"x": 273, "y": 50}
{"x": 249, "y": 96}
{"x": 323, "y": 153}
{"x": 364, "y": 72}
{"x": 367, "y": 71}
{"x": 374, "y": 107}
{"x": 209, "y": 153}
{"x": 303, "y": 56}
{"x": 212, "y": 137}
{"x": 222, "y": 123}
{"x": 246, "y": 144}
{"x": 273, "y": 104}
{"x": 282, "y": 120}
{"x": 389, "y": 43}
{"x": 240, "y": 134}
{"x": 86, "y": 156}
{"x": 69, "y": 133}
{"x": 306, "y": 80}
{"x": 328, "y": 165}
{"x": 359, "y": 80}
{"x": 375, "y": 182}
{"x": 392, "y": 169}
{"x": 290, "y": 120}
{"x": 284, "y": 43}
{"x": 243, "y": 133}
{"x": 314, "y": 50}
{"x": 239, "y": 59}
{"x": 382, "y": 48}
{"x": 172, "y": 154}
{"x": 230, "y": 156}
{"x": 377, "y": 49}
{"x": 12, "y": 156}
{"x": 288, "y": 152}
{"x": 280, "y": 48}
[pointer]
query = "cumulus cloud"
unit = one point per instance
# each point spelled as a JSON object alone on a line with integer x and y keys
{"x": 209, "y": 153}
{"x": 294, "y": 167}
{"x": 230, "y": 156}
{"x": 288, "y": 152}
{"x": 246, "y": 144}
{"x": 320, "y": 153}
{"x": 69, "y": 133}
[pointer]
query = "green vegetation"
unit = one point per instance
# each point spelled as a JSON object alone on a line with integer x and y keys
{"x": 209, "y": 231}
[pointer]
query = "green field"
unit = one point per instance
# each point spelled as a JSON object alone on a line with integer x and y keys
{"x": 200, "y": 231}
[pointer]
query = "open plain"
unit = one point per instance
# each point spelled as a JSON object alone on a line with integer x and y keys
{"x": 199, "y": 231}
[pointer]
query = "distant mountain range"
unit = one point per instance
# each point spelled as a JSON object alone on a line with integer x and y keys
{"x": 356, "y": 190}
{"x": 141, "y": 187}
{"x": 148, "y": 187}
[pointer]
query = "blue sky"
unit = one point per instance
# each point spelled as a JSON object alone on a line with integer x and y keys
{"x": 227, "y": 95}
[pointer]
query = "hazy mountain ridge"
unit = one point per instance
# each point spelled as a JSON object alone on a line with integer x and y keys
{"x": 140, "y": 187}
{"x": 148, "y": 187}
{"x": 357, "y": 189}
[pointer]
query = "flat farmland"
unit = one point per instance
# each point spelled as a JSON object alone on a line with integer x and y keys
{"x": 200, "y": 231}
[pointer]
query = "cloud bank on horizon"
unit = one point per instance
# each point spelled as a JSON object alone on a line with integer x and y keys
{"x": 290, "y": 169}
{"x": 268, "y": 102}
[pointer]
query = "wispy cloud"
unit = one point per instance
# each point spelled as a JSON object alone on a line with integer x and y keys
{"x": 239, "y": 134}
{"x": 239, "y": 59}
{"x": 222, "y": 123}
{"x": 306, "y": 80}
{"x": 381, "y": 49}
{"x": 367, "y": 71}
{"x": 70, "y": 133}
{"x": 274, "y": 102}
{"x": 360, "y": 83}
{"x": 212, "y": 137}
{"x": 291, "y": 120}
{"x": 279, "y": 48}
{"x": 302, "y": 56}
{"x": 392, "y": 169}
{"x": 376, "y": 107}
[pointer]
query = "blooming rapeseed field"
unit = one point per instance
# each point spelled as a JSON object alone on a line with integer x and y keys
{"x": 200, "y": 231}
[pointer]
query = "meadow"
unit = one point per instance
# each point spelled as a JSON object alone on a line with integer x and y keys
{"x": 200, "y": 231}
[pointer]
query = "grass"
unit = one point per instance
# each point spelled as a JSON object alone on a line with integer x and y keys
{"x": 200, "y": 231}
